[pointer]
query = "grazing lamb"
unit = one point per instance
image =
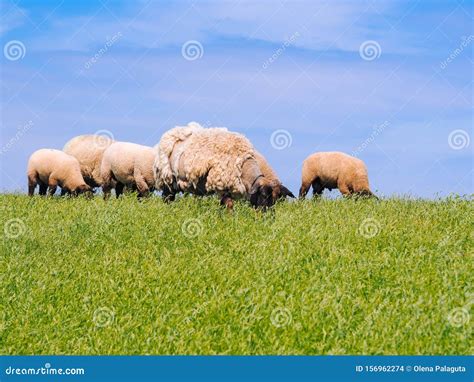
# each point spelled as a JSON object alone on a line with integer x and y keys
{"x": 334, "y": 170}
{"x": 88, "y": 150}
{"x": 271, "y": 175}
{"x": 128, "y": 164}
{"x": 53, "y": 168}
{"x": 204, "y": 161}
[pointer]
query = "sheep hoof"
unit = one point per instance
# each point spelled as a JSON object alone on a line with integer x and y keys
{"x": 169, "y": 198}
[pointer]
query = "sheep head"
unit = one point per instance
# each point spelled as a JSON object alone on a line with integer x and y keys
{"x": 281, "y": 192}
{"x": 261, "y": 193}
{"x": 265, "y": 193}
{"x": 81, "y": 189}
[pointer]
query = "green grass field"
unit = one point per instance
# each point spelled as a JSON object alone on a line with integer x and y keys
{"x": 338, "y": 276}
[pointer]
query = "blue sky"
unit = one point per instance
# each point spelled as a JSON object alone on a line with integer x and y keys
{"x": 293, "y": 76}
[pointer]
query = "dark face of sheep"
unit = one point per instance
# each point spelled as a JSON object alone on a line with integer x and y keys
{"x": 261, "y": 195}
{"x": 83, "y": 188}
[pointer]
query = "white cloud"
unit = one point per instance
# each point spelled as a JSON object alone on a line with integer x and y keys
{"x": 321, "y": 25}
{"x": 12, "y": 17}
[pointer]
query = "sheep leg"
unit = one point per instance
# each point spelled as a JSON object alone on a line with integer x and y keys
{"x": 43, "y": 188}
{"x": 106, "y": 189}
{"x": 53, "y": 185}
{"x": 168, "y": 195}
{"x": 119, "y": 189}
{"x": 141, "y": 184}
{"x": 31, "y": 189}
{"x": 304, "y": 189}
{"x": 142, "y": 187}
{"x": 32, "y": 182}
{"x": 318, "y": 188}
{"x": 107, "y": 182}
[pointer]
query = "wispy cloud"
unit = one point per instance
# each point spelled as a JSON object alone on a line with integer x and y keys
{"x": 11, "y": 17}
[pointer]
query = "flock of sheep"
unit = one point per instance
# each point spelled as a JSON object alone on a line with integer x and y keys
{"x": 191, "y": 159}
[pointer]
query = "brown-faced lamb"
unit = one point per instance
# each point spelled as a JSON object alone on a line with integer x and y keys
{"x": 128, "y": 164}
{"x": 50, "y": 168}
{"x": 334, "y": 170}
{"x": 89, "y": 150}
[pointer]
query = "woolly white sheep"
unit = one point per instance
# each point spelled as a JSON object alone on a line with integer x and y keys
{"x": 162, "y": 168}
{"x": 89, "y": 150}
{"x": 334, "y": 170}
{"x": 128, "y": 164}
{"x": 52, "y": 168}
{"x": 211, "y": 160}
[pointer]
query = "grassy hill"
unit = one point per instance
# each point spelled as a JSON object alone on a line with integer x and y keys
{"x": 338, "y": 276}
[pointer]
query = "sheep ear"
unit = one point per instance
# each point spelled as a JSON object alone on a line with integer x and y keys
{"x": 255, "y": 187}
{"x": 286, "y": 192}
